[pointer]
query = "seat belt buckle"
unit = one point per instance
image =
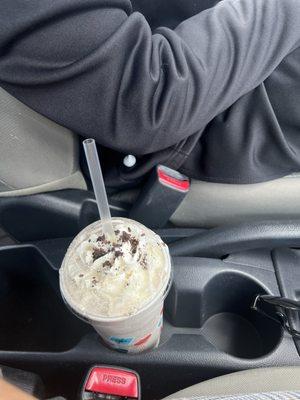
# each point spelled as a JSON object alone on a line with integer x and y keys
{"x": 111, "y": 383}
{"x": 160, "y": 197}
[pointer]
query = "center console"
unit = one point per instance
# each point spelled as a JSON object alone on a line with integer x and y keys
{"x": 209, "y": 327}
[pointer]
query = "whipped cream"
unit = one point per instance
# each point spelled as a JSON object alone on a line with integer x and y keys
{"x": 117, "y": 279}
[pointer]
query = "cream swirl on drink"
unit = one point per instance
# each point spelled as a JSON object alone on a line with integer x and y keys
{"x": 117, "y": 279}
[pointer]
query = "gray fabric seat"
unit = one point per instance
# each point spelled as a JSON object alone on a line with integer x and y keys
{"x": 257, "y": 384}
{"x": 214, "y": 204}
{"x": 36, "y": 154}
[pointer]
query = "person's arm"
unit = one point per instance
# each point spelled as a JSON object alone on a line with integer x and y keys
{"x": 10, "y": 392}
{"x": 92, "y": 67}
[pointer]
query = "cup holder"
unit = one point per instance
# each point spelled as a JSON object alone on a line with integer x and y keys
{"x": 33, "y": 314}
{"x": 230, "y": 324}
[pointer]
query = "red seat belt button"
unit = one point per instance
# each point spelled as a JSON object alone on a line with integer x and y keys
{"x": 113, "y": 381}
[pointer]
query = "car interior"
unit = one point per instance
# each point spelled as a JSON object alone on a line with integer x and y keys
{"x": 231, "y": 318}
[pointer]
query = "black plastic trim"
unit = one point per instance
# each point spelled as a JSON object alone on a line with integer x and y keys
{"x": 221, "y": 241}
{"x": 208, "y": 297}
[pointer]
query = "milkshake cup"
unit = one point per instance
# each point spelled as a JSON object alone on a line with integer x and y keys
{"x": 118, "y": 287}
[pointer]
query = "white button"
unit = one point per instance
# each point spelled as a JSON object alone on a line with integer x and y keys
{"x": 129, "y": 161}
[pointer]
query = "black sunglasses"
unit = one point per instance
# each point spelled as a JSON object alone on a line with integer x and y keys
{"x": 281, "y": 309}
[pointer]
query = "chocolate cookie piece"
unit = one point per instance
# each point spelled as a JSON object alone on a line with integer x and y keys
{"x": 107, "y": 264}
{"x": 97, "y": 253}
{"x": 125, "y": 237}
{"x": 134, "y": 244}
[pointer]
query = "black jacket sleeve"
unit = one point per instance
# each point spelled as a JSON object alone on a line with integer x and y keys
{"x": 96, "y": 68}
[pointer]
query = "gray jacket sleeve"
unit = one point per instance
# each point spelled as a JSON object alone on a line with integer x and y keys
{"x": 99, "y": 70}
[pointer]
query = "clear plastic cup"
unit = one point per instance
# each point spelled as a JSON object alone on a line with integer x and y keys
{"x": 129, "y": 334}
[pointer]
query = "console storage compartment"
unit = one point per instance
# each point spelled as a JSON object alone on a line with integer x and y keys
{"x": 33, "y": 314}
{"x": 218, "y": 301}
{"x": 209, "y": 328}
